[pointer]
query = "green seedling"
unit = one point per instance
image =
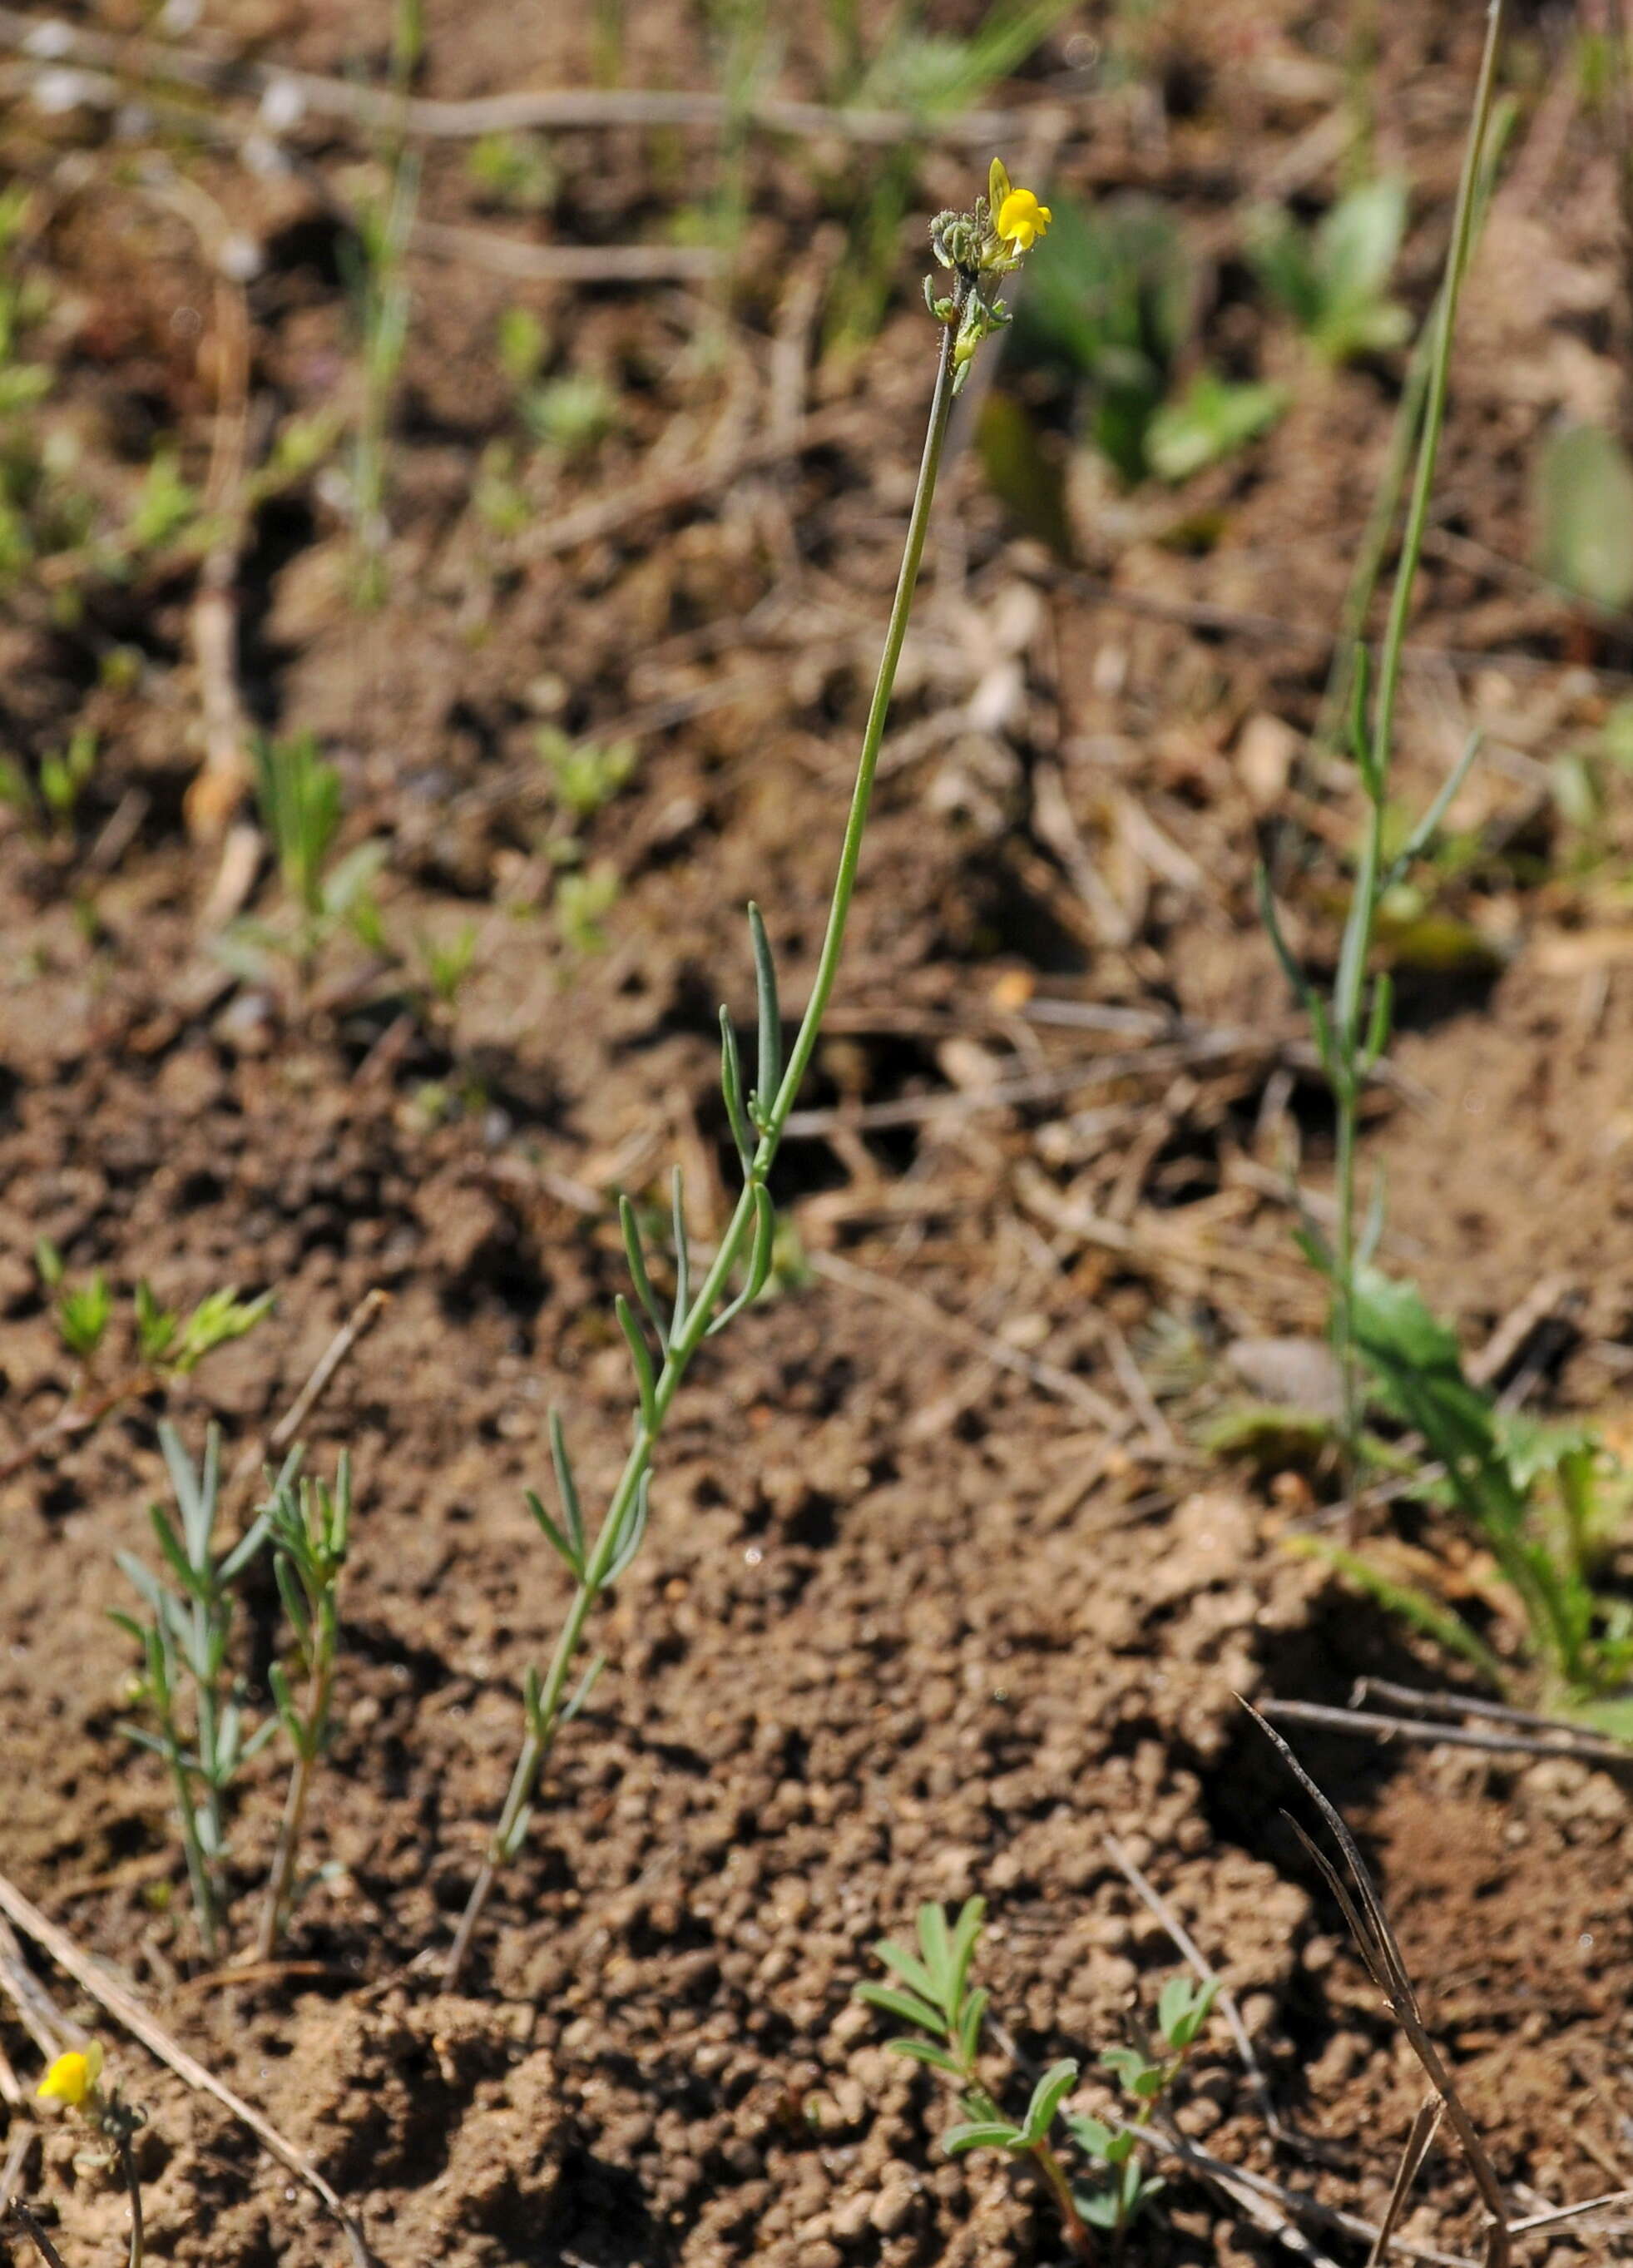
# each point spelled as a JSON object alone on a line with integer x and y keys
{"x": 513, "y": 173}
{"x": 569, "y": 415}
{"x": 932, "y": 1993}
{"x": 1333, "y": 279}
{"x": 310, "y": 1528}
{"x": 1213, "y": 419}
{"x": 1544, "y": 1500}
{"x": 167, "y": 1345}
{"x": 446, "y": 963}
{"x": 299, "y": 792}
{"x": 584, "y": 898}
{"x": 164, "y": 505}
{"x": 1351, "y": 1023}
{"x": 586, "y": 775}
{"x": 174, "y": 1344}
{"x": 677, "y": 1303}
{"x": 524, "y": 344}
{"x": 1582, "y": 514}
{"x": 186, "y": 1686}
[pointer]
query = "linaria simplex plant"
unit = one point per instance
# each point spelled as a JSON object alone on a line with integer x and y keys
{"x": 933, "y": 1993}
{"x": 1352, "y": 1027}
{"x": 978, "y": 248}
{"x": 309, "y": 1526}
{"x": 187, "y": 1681}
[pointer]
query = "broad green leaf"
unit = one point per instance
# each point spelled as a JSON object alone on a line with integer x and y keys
{"x": 1583, "y": 507}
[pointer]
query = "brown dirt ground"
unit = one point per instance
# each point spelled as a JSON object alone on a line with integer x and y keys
{"x": 911, "y": 1622}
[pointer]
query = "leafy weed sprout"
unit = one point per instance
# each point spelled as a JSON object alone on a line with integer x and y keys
{"x": 978, "y": 248}
{"x": 186, "y": 1685}
{"x": 1545, "y": 1500}
{"x": 165, "y": 1345}
{"x": 1333, "y": 279}
{"x": 299, "y": 792}
{"x": 932, "y": 1993}
{"x": 310, "y": 1528}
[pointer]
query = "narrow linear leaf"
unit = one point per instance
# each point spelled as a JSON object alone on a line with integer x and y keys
{"x": 731, "y": 1088}
{"x": 646, "y": 1384}
{"x": 558, "y": 1542}
{"x": 635, "y": 1256}
{"x": 567, "y": 1487}
{"x": 906, "y": 2007}
{"x": 768, "y": 1066}
{"x": 683, "y": 1254}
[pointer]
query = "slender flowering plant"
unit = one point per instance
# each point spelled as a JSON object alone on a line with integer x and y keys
{"x": 74, "y": 2081}
{"x": 978, "y": 248}
{"x": 981, "y": 246}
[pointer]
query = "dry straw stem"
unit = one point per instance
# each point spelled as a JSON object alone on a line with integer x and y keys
{"x": 124, "y": 2005}
{"x": 1373, "y": 1933}
{"x": 1582, "y": 1748}
{"x": 371, "y": 108}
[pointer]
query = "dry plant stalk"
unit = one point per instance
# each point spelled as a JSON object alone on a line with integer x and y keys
{"x": 1370, "y": 1926}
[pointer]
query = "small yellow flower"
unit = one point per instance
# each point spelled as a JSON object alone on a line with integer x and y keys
{"x": 73, "y": 2076}
{"x": 1021, "y": 220}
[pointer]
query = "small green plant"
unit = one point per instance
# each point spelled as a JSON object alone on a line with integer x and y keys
{"x": 164, "y": 505}
{"x": 1351, "y": 1025}
{"x": 584, "y": 898}
{"x": 186, "y": 1686}
{"x": 310, "y": 1528}
{"x": 1211, "y": 420}
{"x": 932, "y": 1993}
{"x": 167, "y": 1344}
{"x": 446, "y": 963}
{"x": 1333, "y": 279}
{"x": 299, "y": 792}
{"x": 569, "y": 415}
{"x": 514, "y": 173}
{"x": 696, "y": 1306}
{"x": 1544, "y": 1500}
{"x": 586, "y": 775}
{"x": 1583, "y": 511}
{"x": 82, "y": 1311}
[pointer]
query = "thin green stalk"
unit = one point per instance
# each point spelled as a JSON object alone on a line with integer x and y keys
{"x": 127, "y": 2168}
{"x": 1375, "y": 756}
{"x": 549, "y": 1705}
{"x": 199, "y": 1878}
{"x": 281, "y": 1879}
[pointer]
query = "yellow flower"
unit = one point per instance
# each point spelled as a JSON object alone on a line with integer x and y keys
{"x": 73, "y": 2076}
{"x": 1021, "y": 220}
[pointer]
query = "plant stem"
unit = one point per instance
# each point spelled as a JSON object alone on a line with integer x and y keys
{"x": 689, "y": 1335}
{"x": 1359, "y": 925}
{"x": 198, "y": 1871}
{"x": 1078, "y": 2233}
{"x": 127, "y": 2168}
{"x": 280, "y": 1880}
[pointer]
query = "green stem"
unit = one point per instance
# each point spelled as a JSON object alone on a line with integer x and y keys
{"x": 127, "y": 2168}
{"x": 689, "y": 1335}
{"x": 1359, "y": 928}
{"x": 1078, "y": 2233}
{"x": 275, "y": 1912}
